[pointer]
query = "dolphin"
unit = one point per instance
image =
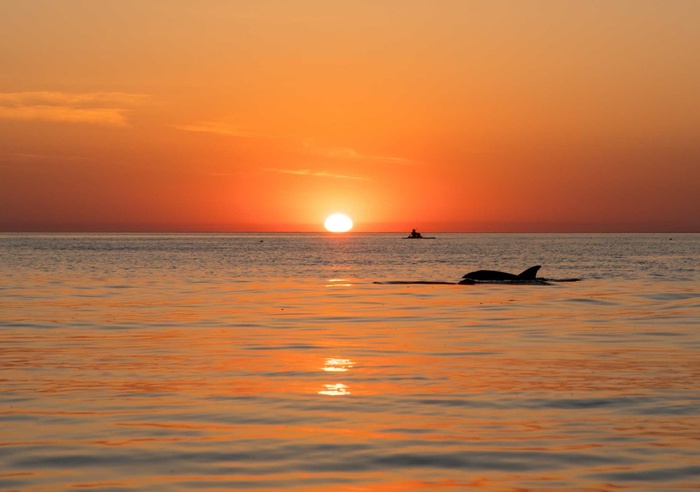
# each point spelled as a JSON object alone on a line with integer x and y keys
{"x": 528, "y": 276}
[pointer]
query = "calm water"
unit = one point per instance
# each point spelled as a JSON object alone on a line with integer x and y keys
{"x": 273, "y": 362}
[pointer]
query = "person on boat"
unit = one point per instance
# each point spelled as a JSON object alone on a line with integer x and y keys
{"x": 415, "y": 234}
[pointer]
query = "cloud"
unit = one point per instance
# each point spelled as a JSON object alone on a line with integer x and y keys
{"x": 351, "y": 154}
{"x": 309, "y": 172}
{"x": 25, "y": 157}
{"x": 220, "y": 129}
{"x": 307, "y": 147}
{"x": 102, "y": 108}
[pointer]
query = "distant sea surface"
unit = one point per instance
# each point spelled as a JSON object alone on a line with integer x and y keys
{"x": 268, "y": 362}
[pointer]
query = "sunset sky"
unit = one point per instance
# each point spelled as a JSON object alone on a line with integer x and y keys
{"x": 258, "y": 115}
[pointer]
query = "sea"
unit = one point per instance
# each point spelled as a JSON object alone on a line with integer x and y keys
{"x": 275, "y": 362}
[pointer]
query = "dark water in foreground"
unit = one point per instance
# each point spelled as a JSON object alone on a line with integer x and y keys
{"x": 273, "y": 362}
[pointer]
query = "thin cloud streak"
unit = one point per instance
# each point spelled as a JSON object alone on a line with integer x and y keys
{"x": 35, "y": 162}
{"x": 220, "y": 129}
{"x": 103, "y": 116}
{"x": 344, "y": 153}
{"x": 309, "y": 172}
{"x": 23, "y": 157}
{"x": 352, "y": 154}
{"x": 102, "y": 108}
{"x": 70, "y": 98}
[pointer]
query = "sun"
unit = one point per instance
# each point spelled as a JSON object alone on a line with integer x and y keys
{"x": 338, "y": 223}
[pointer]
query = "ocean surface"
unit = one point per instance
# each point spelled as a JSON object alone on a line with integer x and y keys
{"x": 268, "y": 362}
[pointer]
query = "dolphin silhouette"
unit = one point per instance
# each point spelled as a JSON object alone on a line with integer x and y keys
{"x": 529, "y": 275}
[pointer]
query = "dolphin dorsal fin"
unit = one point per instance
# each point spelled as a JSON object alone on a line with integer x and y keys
{"x": 530, "y": 273}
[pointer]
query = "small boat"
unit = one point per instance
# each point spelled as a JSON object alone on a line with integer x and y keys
{"x": 417, "y": 235}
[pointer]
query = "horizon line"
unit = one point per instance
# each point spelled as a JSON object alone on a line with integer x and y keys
{"x": 252, "y": 231}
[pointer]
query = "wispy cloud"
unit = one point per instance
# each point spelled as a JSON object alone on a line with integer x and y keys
{"x": 29, "y": 161}
{"x": 308, "y": 147}
{"x": 221, "y": 129}
{"x": 25, "y": 157}
{"x": 351, "y": 154}
{"x": 319, "y": 174}
{"x": 102, "y": 108}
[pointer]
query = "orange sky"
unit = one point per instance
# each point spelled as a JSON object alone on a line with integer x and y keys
{"x": 457, "y": 115}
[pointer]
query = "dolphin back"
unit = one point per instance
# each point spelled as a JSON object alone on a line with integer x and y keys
{"x": 490, "y": 275}
{"x": 530, "y": 273}
{"x": 493, "y": 275}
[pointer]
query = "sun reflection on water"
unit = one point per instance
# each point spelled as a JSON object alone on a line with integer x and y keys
{"x": 338, "y": 282}
{"x": 338, "y": 365}
{"x": 333, "y": 364}
{"x": 335, "y": 390}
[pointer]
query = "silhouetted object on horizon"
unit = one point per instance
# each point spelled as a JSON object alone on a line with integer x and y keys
{"x": 417, "y": 235}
